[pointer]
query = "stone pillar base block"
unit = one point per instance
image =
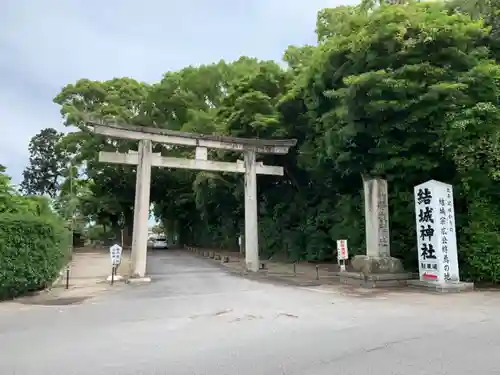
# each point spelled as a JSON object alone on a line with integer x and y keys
{"x": 380, "y": 280}
{"x": 252, "y": 268}
{"x": 139, "y": 280}
{"x": 441, "y": 288}
{"x": 376, "y": 265}
{"x": 116, "y": 278}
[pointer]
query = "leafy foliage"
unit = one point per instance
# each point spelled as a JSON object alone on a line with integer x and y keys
{"x": 33, "y": 241}
{"x": 47, "y": 160}
{"x": 32, "y": 251}
{"x": 403, "y": 90}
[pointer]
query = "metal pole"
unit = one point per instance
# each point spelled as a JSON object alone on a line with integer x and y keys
{"x": 72, "y": 213}
{"x": 317, "y": 272}
{"x": 113, "y": 275}
{"x": 67, "y": 277}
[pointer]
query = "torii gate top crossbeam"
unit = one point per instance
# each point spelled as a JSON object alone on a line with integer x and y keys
{"x": 263, "y": 146}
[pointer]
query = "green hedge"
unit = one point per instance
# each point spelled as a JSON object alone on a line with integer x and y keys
{"x": 32, "y": 251}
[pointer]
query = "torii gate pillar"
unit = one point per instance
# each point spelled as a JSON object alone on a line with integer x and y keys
{"x": 251, "y": 216}
{"x": 141, "y": 209}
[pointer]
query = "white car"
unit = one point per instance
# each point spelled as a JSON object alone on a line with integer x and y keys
{"x": 160, "y": 243}
{"x": 151, "y": 241}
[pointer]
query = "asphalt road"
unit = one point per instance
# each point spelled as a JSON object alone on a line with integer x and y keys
{"x": 197, "y": 319}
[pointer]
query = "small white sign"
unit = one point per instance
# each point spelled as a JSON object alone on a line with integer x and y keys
{"x": 115, "y": 252}
{"x": 342, "y": 252}
{"x": 436, "y": 238}
{"x": 201, "y": 153}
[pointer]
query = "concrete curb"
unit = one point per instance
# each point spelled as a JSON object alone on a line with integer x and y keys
{"x": 381, "y": 282}
{"x": 404, "y": 281}
{"x": 138, "y": 280}
{"x": 261, "y": 276}
{"x": 264, "y": 276}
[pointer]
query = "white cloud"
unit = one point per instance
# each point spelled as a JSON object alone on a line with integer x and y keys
{"x": 45, "y": 45}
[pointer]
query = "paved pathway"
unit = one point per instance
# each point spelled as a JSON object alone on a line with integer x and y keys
{"x": 197, "y": 319}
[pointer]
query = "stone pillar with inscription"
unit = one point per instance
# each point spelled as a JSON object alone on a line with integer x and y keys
{"x": 378, "y": 258}
{"x": 377, "y": 268}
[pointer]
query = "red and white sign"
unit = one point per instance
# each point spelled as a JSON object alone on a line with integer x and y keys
{"x": 429, "y": 276}
{"x": 342, "y": 253}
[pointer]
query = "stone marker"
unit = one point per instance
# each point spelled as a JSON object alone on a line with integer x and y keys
{"x": 436, "y": 238}
{"x": 377, "y": 268}
{"x": 378, "y": 258}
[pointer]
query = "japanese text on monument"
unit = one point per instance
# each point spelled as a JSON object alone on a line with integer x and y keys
{"x": 426, "y": 222}
{"x": 443, "y": 222}
{"x": 383, "y": 218}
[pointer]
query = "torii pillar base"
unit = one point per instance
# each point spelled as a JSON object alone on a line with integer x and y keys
{"x": 139, "y": 280}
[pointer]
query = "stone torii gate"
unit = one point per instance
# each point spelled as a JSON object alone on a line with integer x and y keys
{"x": 144, "y": 158}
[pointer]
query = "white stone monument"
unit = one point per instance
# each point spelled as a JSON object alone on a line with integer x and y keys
{"x": 436, "y": 237}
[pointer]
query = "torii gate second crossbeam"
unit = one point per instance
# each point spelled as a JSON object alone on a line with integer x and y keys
{"x": 145, "y": 159}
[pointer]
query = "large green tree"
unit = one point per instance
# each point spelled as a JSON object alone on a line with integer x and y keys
{"x": 13, "y": 203}
{"x": 400, "y": 97}
{"x": 119, "y": 99}
{"x": 406, "y": 92}
{"x": 46, "y": 164}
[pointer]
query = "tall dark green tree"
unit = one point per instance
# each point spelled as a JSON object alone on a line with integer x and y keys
{"x": 47, "y": 163}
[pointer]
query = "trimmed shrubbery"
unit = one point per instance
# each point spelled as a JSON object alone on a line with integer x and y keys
{"x": 33, "y": 249}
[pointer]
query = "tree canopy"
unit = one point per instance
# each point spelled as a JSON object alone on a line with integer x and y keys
{"x": 47, "y": 161}
{"x": 407, "y": 92}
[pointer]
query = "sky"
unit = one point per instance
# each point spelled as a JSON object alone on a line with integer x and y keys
{"x": 47, "y": 44}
